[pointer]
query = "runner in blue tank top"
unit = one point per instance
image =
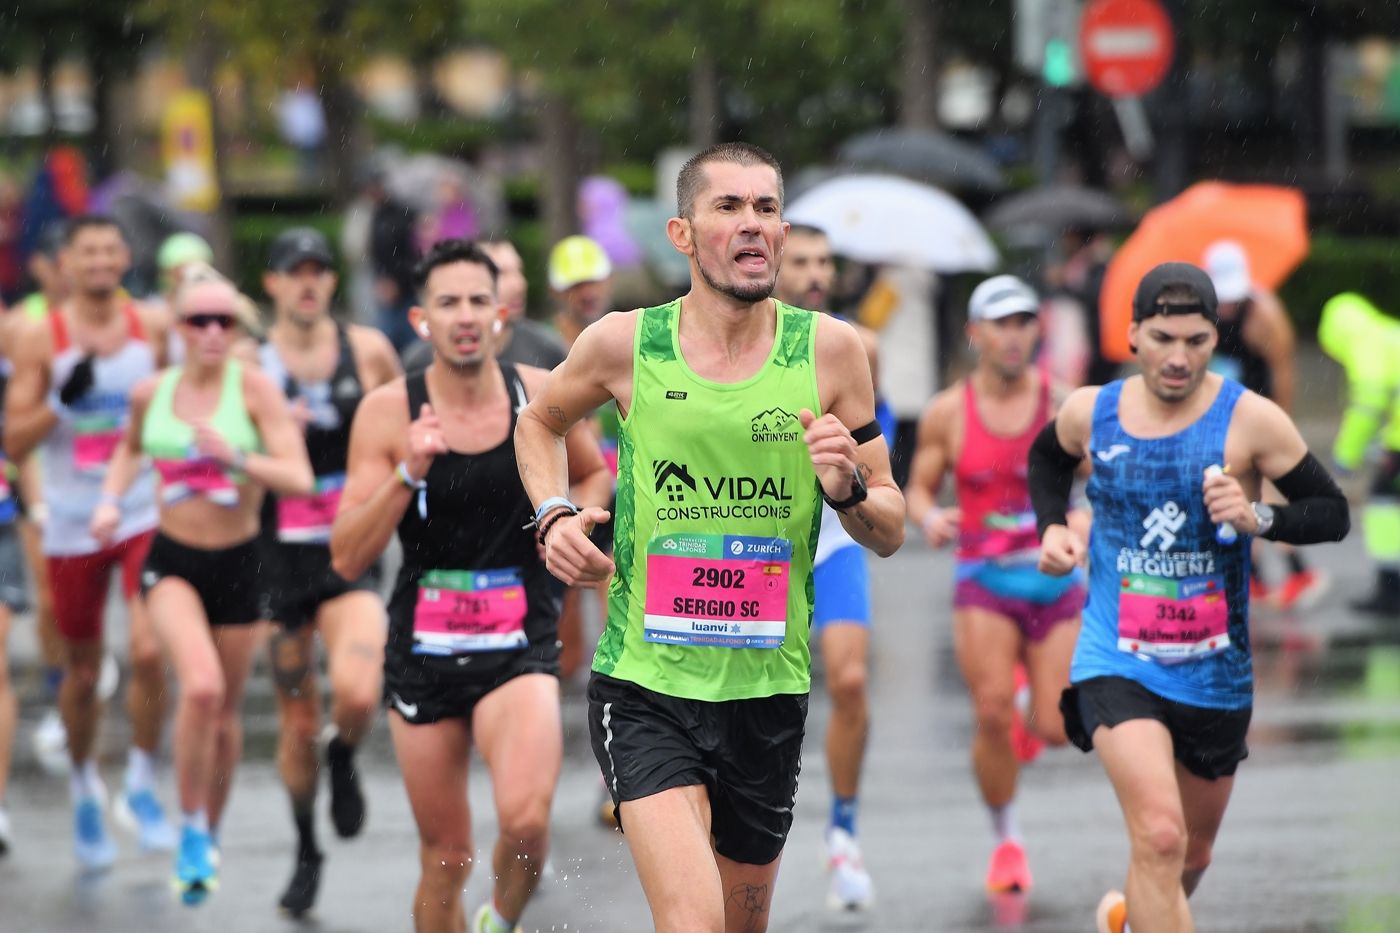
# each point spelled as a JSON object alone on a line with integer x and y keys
{"x": 1162, "y": 684}
{"x": 841, "y": 613}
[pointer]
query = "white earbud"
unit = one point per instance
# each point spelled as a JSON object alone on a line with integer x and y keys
{"x": 423, "y": 328}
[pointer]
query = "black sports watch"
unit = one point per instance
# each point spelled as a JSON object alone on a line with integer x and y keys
{"x": 859, "y": 492}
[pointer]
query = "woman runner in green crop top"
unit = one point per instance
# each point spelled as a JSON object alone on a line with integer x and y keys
{"x": 219, "y": 433}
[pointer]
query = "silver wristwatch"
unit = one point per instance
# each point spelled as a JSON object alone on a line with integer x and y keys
{"x": 1264, "y": 516}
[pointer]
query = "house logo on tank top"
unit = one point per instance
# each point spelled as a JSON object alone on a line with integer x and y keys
{"x": 674, "y": 478}
{"x": 695, "y": 495}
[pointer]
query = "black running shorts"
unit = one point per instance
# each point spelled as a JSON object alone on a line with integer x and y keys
{"x": 422, "y": 697}
{"x": 226, "y": 579}
{"x": 746, "y": 753}
{"x": 1210, "y": 743}
{"x": 300, "y": 580}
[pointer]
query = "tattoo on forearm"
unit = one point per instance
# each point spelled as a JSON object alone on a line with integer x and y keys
{"x": 753, "y": 900}
{"x": 864, "y": 470}
{"x": 859, "y": 513}
{"x": 557, "y": 414}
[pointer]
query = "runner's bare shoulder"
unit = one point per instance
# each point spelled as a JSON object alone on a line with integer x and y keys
{"x": 838, "y": 342}
{"x": 603, "y": 350}
{"x": 1075, "y": 418}
{"x": 390, "y": 399}
{"x": 941, "y": 413}
{"x": 142, "y": 393}
{"x": 31, "y": 340}
{"x": 372, "y": 348}
{"x": 259, "y": 388}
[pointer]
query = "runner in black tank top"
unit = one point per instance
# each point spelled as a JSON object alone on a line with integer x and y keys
{"x": 472, "y": 655}
{"x": 468, "y": 518}
{"x": 1236, "y": 359}
{"x": 1256, "y": 349}
{"x": 325, "y": 369}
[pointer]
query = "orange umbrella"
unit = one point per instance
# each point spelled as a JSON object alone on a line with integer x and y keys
{"x": 1269, "y": 222}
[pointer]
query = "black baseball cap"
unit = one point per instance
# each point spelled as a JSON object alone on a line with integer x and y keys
{"x": 1147, "y": 303}
{"x": 297, "y": 245}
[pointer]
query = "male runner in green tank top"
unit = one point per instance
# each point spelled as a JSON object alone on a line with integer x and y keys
{"x": 737, "y": 413}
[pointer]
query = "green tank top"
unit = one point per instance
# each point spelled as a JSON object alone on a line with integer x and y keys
{"x": 169, "y": 440}
{"x": 716, "y": 521}
{"x": 35, "y": 306}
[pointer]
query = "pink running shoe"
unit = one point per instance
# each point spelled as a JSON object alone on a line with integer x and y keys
{"x": 1009, "y": 870}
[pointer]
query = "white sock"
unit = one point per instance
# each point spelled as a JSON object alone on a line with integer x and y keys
{"x": 198, "y": 820}
{"x": 1022, "y": 699}
{"x": 1004, "y": 822}
{"x": 140, "y": 770}
{"x": 84, "y": 781}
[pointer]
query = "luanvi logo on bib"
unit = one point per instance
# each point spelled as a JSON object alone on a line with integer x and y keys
{"x": 774, "y": 426}
{"x": 675, "y": 394}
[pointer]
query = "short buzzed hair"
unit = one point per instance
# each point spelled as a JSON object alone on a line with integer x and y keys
{"x": 806, "y": 230}
{"x": 76, "y": 225}
{"x": 447, "y": 252}
{"x": 692, "y": 177}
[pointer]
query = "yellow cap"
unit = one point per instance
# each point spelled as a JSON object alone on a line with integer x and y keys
{"x": 577, "y": 259}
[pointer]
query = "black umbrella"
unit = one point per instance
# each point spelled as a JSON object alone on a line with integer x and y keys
{"x": 926, "y": 155}
{"x": 1058, "y": 207}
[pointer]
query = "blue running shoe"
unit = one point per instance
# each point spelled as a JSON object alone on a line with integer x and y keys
{"x": 140, "y": 813}
{"x": 195, "y": 875}
{"x": 92, "y": 845}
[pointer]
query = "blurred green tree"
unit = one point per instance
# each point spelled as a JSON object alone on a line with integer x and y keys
{"x": 108, "y": 34}
{"x": 326, "y": 39}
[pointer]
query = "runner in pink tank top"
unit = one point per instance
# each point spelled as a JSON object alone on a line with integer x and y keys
{"x": 1014, "y": 627}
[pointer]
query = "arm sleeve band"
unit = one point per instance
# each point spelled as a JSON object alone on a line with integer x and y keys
{"x": 1316, "y": 510}
{"x": 1049, "y": 476}
{"x": 866, "y": 433}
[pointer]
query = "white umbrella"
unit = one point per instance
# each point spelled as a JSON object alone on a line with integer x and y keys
{"x": 886, "y": 219}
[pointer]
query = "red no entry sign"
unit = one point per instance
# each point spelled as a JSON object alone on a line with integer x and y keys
{"x": 1126, "y": 46}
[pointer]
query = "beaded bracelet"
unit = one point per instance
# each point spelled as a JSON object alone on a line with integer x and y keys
{"x": 549, "y": 521}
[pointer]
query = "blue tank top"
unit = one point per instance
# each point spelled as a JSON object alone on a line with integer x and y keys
{"x": 1168, "y": 605}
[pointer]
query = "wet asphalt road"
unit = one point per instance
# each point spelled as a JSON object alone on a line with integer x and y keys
{"x": 1310, "y": 842}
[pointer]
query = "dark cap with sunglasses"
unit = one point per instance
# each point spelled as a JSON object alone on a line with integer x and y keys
{"x": 1148, "y": 301}
{"x": 297, "y": 245}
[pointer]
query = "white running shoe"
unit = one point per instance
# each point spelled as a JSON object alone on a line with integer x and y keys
{"x": 848, "y": 886}
{"x": 51, "y": 744}
{"x": 141, "y": 814}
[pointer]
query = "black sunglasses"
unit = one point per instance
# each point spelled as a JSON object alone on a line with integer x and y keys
{"x": 203, "y": 320}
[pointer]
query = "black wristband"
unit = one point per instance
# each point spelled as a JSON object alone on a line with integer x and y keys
{"x": 866, "y": 432}
{"x": 549, "y": 521}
